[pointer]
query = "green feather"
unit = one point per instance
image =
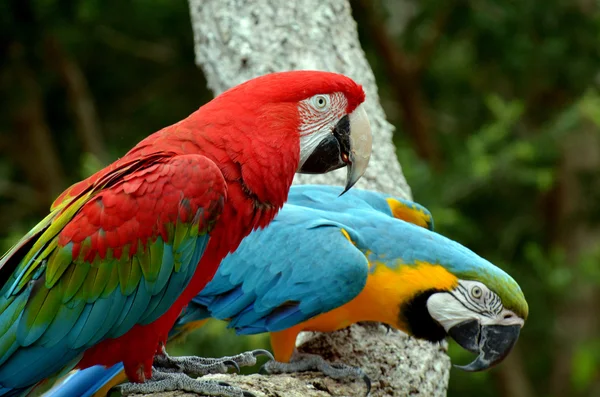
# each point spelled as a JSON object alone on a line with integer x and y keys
{"x": 74, "y": 277}
{"x": 194, "y": 229}
{"x": 48, "y": 237}
{"x": 8, "y": 343}
{"x": 42, "y": 307}
{"x": 58, "y": 262}
{"x": 63, "y": 322}
{"x": 130, "y": 273}
{"x": 143, "y": 258}
{"x": 170, "y": 229}
{"x": 11, "y": 310}
{"x": 155, "y": 254}
{"x": 88, "y": 285}
{"x": 113, "y": 281}
{"x": 182, "y": 231}
{"x": 84, "y": 248}
{"x": 105, "y": 271}
{"x": 134, "y": 277}
{"x": 124, "y": 272}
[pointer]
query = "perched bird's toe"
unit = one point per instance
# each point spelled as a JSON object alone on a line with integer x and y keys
{"x": 302, "y": 362}
{"x": 165, "y": 382}
{"x": 248, "y": 359}
{"x": 232, "y": 364}
{"x": 263, "y": 352}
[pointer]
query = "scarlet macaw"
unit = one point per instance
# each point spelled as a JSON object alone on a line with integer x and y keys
{"x": 102, "y": 279}
{"x": 325, "y": 263}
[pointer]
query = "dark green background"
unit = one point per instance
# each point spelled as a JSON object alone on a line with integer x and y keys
{"x": 497, "y": 110}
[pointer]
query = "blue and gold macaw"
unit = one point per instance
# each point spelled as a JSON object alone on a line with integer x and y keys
{"x": 327, "y": 262}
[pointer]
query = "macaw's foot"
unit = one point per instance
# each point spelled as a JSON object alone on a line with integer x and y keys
{"x": 198, "y": 366}
{"x": 302, "y": 362}
{"x": 171, "y": 381}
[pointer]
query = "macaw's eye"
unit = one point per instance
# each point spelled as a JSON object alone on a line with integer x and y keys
{"x": 476, "y": 292}
{"x": 320, "y": 102}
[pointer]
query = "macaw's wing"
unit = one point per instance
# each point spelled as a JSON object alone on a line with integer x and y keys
{"x": 298, "y": 267}
{"x": 116, "y": 254}
{"x": 328, "y": 198}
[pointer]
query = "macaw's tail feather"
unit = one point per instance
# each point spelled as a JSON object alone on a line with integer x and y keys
{"x": 93, "y": 381}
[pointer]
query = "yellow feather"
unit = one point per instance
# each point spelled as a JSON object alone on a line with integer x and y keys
{"x": 409, "y": 214}
{"x": 385, "y": 291}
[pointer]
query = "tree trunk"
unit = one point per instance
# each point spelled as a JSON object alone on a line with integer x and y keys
{"x": 237, "y": 40}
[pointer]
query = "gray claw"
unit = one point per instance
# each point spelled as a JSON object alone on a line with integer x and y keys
{"x": 367, "y": 383}
{"x": 231, "y": 363}
{"x": 263, "y": 352}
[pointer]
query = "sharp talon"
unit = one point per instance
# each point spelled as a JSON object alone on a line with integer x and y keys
{"x": 223, "y": 384}
{"x": 263, "y": 352}
{"x": 248, "y": 394}
{"x": 368, "y": 383}
{"x": 233, "y": 364}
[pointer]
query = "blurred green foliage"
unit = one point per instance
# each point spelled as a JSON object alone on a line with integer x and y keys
{"x": 497, "y": 109}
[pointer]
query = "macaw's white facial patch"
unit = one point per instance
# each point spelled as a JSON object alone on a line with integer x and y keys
{"x": 318, "y": 117}
{"x": 470, "y": 300}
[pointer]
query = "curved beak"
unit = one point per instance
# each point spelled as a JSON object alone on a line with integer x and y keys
{"x": 492, "y": 342}
{"x": 348, "y": 145}
{"x": 361, "y": 143}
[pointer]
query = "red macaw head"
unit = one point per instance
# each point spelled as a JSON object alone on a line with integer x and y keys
{"x": 315, "y": 119}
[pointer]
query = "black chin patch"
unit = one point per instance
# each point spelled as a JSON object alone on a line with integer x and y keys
{"x": 332, "y": 152}
{"x": 325, "y": 157}
{"x": 420, "y": 324}
{"x": 341, "y": 132}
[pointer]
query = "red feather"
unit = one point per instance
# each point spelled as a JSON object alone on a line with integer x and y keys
{"x": 251, "y": 133}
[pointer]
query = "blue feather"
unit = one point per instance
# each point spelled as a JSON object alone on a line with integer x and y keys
{"x": 83, "y": 382}
{"x": 63, "y": 322}
{"x": 117, "y": 301}
{"x": 302, "y": 264}
{"x": 136, "y": 311}
{"x": 166, "y": 268}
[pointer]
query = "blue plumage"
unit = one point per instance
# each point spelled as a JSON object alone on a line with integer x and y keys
{"x": 303, "y": 264}
{"x": 85, "y": 383}
{"x": 79, "y": 324}
{"x": 279, "y": 283}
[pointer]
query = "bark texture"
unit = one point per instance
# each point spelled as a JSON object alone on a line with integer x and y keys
{"x": 397, "y": 365}
{"x": 240, "y": 39}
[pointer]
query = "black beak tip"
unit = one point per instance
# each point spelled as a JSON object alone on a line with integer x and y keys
{"x": 348, "y": 187}
{"x": 352, "y": 175}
